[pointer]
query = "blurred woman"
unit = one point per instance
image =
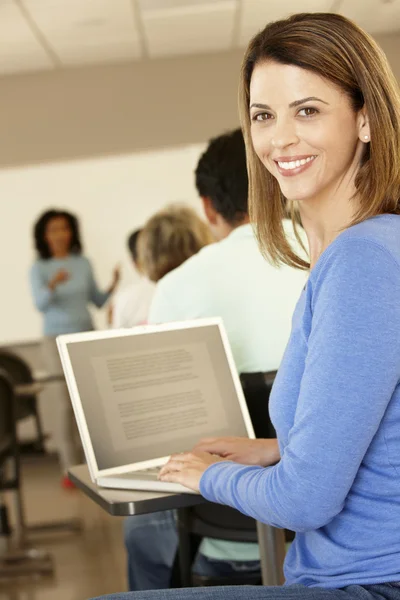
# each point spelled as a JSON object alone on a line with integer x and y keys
{"x": 63, "y": 286}
{"x": 170, "y": 237}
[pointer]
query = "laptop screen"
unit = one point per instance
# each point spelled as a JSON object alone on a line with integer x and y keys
{"x": 148, "y": 395}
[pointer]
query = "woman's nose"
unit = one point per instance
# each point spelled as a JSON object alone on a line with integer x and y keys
{"x": 284, "y": 134}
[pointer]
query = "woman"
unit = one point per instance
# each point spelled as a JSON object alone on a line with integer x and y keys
{"x": 321, "y": 114}
{"x": 63, "y": 285}
{"x": 131, "y": 305}
{"x": 170, "y": 237}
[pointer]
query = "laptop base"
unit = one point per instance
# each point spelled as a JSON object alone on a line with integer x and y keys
{"x": 141, "y": 481}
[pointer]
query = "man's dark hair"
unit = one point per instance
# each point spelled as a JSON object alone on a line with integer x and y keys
{"x": 221, "y": 175}
{"x": 40, "y": 227}
{"x": 132, "y": 244}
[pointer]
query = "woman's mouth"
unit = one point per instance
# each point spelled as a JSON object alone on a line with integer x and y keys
{"x": 289, "y": 166}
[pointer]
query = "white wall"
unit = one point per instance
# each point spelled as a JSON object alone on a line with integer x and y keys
{"x": 112, "y": 196}
{"x": 95, "y": 134}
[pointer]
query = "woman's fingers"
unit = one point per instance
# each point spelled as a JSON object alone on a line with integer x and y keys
{"x": 173, "y": 476}
{"x": 176, "y": 462}
{"x": 172, "y": 465}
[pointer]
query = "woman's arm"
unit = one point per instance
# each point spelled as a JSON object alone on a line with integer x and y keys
{"x": 351, "y": 371}
{"x": 42, "y": 291}
{"x": 98, "y": 297}
{"x": 260, "y": 452}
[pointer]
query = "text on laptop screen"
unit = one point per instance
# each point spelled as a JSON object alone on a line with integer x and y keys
{"x": 148, "y": 395}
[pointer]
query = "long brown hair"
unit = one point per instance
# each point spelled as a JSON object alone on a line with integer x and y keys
{"x": 334, "y": 48}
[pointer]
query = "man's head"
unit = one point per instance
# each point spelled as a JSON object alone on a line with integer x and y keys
{"x": 222, "y": 183}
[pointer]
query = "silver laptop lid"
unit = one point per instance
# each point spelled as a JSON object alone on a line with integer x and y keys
{"x": 142, "y": 394}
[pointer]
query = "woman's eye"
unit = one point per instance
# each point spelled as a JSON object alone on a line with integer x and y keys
{"x": 262, "y": 117}
{"x": 308, "y": 111}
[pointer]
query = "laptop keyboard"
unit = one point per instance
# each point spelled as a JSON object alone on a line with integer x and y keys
{"x": 151, "y": 473}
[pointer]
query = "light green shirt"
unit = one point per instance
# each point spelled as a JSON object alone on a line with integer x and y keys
{"x": 230, "y": 279}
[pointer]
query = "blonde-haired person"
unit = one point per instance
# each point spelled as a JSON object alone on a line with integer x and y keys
{"x": 170, "y": 237}
{"x": 131, "y": 305}
{"x": 320, "y": 110}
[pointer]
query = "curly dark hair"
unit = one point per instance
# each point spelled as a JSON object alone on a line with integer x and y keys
{"x": 221, "y": 175}
{"x": 39, "y": 232}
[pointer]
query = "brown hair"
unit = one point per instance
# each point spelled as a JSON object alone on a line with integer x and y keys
{"x": 169, "y": 238}
{"x": 334, "y": 48}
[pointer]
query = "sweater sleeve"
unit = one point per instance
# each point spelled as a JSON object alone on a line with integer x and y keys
{"x": 98, "y": 297}
{"x": 42, "y": 295}
{"x": 351, "y": 371}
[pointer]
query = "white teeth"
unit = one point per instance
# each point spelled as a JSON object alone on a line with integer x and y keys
{"x": 294, "y": 164}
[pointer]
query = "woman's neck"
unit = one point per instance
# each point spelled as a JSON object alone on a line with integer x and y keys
{"x": 60, "y": 254}
{"x": 324, "y": 219}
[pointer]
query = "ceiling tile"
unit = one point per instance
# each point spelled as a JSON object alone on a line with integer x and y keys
{"x": 19, "y": 49}
{"x": 191, "y": 29}
{"x": 146, "y": 5}
{"x": 376, "y": 16}
{"x": 256, "y": 14}
{"x": 87, "y": 30}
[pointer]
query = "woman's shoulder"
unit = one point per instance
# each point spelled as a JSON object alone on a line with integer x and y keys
{"x": 80, "y": 261}
{"x": 383, "y": 230}
{"x": 370, "y": 248}
{"x": 38, "y": 265}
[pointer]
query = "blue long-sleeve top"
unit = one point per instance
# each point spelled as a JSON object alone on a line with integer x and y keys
{"x": 335, "y": 405}
{"x": 65, "y": 309}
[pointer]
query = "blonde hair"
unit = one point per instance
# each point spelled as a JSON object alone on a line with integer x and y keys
{"x": 338, "y": 50}
{"x": 170, "y": 237}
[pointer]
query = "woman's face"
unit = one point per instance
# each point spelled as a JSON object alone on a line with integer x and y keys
{"x": 58, "y": 235}
{"x": 305, "y": 131}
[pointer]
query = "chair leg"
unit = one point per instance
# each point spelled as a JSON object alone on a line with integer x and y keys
{"x": 185, "y": 554}
{"x": 272, "y": 553}
{"x": 20, "y": 519}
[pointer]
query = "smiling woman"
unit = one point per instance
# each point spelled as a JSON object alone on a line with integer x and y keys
{"x": 320, "y": 111}
{"x": 316, "y": 88}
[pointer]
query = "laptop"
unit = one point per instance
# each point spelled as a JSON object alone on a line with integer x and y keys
{"x": 142, "y": 394}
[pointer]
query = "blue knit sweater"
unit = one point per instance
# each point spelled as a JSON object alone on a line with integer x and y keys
{"x": 336, "y": 408}
{"x": 65, "y": 309}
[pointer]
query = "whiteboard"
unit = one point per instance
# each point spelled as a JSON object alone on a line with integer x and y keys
{"x": 112, "y": 196}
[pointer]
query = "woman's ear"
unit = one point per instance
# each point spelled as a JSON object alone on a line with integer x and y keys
{"x": 364, "y": 132}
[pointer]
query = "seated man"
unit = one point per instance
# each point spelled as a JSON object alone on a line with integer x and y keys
{"x": 232, "y": 280}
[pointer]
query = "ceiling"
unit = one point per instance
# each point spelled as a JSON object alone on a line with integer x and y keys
{"x": 55, "y": 34}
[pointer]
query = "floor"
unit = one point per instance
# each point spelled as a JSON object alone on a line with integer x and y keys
{"x": 87, "y": 563}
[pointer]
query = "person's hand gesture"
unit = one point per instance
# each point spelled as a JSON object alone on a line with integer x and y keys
{"x": 60, "y": 277}
{"x": 116, "y": 275}
{"x": 115, "y": 279}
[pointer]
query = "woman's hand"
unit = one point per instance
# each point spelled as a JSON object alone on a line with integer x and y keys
{"x": 241, "y": 450}
{"x": 116, "y": 275}
{"x": 60, "y": 277}
{"x": 115, "y": 280}
{"x": 187, "y": 468}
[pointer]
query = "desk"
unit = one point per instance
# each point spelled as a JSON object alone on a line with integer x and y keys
{"x": 125, "y": 503}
